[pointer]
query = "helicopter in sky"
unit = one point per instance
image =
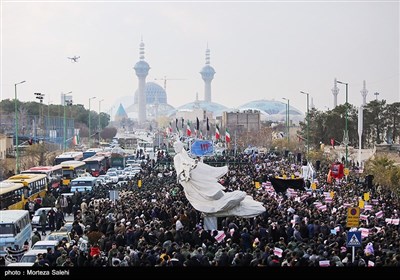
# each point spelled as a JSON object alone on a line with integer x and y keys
{"x": 74, "y": 58}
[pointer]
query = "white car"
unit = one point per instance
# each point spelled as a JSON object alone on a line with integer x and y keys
{"x": 36, "y": 216}
{"x": 30, "y": 256}
{"x": 44, "y": 244}
{"x": 113, "y": 176}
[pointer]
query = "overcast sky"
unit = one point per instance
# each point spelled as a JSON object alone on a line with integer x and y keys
{"x": 260, "y": 50}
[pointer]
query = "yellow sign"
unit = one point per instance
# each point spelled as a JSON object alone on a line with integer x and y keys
{"x": 366, "y": 196}
{"x": 361, "y": 204}
{"x": 139, "y": 183}
{"x": 346, "y": 172}
{"x": 313, "y": 186}
{"x": 257, "y": 185}
{"x": 353, "y": 217}
{"x": 332, "y": 194}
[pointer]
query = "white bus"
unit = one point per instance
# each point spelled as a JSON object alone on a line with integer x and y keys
{"x": 15, "y": 229}
{"x": 83, "y": 184}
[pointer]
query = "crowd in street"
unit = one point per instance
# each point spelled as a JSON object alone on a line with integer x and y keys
{"x": 155, "y": 225}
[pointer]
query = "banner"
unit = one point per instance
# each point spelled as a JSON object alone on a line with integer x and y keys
{"x": 202, "y": 148}
{"x": 281, "y": 185}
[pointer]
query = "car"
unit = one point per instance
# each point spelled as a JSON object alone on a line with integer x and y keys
{"x": 59, "y": 236}
{"x": 113, "y": 176}
{"x": 44, "y": 244}
{"x": 105, "y": 179}
{"x": 68, "y": 227}
{"x": 30, "y": 256}
{"x": 36, "y": 216}
{"x": 21, "y": 264}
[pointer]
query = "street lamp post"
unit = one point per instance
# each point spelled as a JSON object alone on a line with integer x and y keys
{"x": 65, "y": 123}
{"x": 40, "y": 96}
{"x": 346, "y": 132}
{"x": 308, "y": 123}
{"x": 287, "y": 120}
{"x": 89, "y": 120}
{"x": 16, "y": 129}
{"x": 99, "y": 119}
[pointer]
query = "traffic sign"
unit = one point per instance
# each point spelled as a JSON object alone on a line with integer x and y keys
{"x": 354, "y": 239}
{"x": 353, "y": 217}
{"x": 346, "y": 172}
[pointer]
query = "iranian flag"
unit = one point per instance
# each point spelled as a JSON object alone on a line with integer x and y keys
{"x": 188, "y": 130}
{"x": 217, "y": 135}
{"x": 75, "y": 140}
{"x": 227, "y": 136}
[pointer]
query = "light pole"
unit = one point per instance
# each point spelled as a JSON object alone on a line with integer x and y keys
{"x": 65, "y": 123}
{"x": 16, "y": 129}
{"x": 308, "y": 123}
{"x": 287, "y": 119}
{"x": 89, "y": 120}
{"x": 99, "y": 119}
{"x": 376, "y": 95}
{"x": 40, "y": 97}
{"x": 346, "y": 132}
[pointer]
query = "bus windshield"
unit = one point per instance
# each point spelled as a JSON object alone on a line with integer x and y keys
{"x": 7, "y": 229}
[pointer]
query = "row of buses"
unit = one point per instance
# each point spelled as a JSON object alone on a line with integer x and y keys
{"x": 34, "y": 182}
{"x": 30, "y": 184}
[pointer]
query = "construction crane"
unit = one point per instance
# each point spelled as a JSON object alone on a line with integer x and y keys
{"x": 165, "y": 81}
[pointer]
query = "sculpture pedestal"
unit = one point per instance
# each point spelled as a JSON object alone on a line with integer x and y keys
{"x": 210, "y": 223}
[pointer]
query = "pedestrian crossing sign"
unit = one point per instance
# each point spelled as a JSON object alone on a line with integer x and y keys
{"x": 354, "y": 239}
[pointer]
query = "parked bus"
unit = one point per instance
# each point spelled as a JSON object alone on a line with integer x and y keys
{"x": 96, "y": 165}
{"x": 16, "y": 190}
{"x": 15, "y": 229}
{"x": 67, "y": 156}
{"x": 91, "y": 152}
{"x": 71, "y": 169}
{"x": 107, "y": 156}
{"x": 53, "y": 173}
{"x": 83, "y": 184}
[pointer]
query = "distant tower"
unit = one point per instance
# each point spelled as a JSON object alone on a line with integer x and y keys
{"x": 312, "y": 103}
{"x": 207, "y": 73}
{"x": 335, "y": 92}
{"x": 364, "y": 93}
{"x": 142, "y": 69}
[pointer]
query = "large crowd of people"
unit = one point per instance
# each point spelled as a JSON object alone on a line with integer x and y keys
{"x": 152, "y": 224}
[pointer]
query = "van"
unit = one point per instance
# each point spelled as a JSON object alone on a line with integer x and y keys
{"x": 83, "y": 184}
{"x": 15, "y": 229}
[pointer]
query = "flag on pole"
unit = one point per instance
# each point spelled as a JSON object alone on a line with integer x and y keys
{"x": 169, "y": 129}
{"x": 208, "y": 125}
{"x": 75, "y": 140}
{"x": 227, "y": 136}
{"x": 217, "y": 135}
{"x": 188, "y": 130}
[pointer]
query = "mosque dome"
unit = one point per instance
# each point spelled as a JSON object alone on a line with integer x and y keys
{"x": 215, "y": 108}
{"x": 121, "y": 113}
{"x": 273, "y": 110}
{"x": 154, "y": 94}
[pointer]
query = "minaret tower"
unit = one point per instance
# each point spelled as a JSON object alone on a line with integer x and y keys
{"x": 142, "y": 69}
{"x": 364, "y": 93}
{"x": 207, "y": 74}
{"x": 335, "y": 92}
